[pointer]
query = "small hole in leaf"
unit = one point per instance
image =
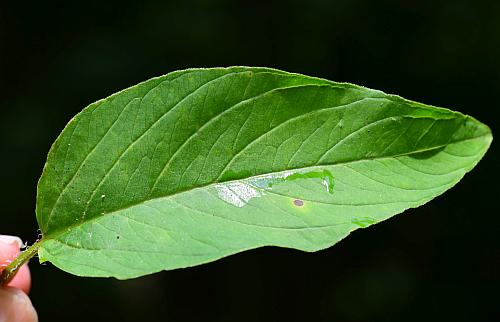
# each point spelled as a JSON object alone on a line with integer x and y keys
{"x": 117, "y": 237}
{"x": 298, "y": 202}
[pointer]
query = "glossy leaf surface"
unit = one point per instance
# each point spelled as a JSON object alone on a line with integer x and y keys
{"x": 199, "y": 164}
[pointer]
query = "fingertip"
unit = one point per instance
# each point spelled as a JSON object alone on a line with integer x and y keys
{"x": 7, "y": 239}
{"x": 15, "y": 306}
{"x": 9, "y": 249}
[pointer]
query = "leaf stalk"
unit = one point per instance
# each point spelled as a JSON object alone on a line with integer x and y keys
{"x": 11, "y": 270}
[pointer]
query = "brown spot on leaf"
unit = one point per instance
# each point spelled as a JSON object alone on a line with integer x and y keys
{"x": 298, "y": 202}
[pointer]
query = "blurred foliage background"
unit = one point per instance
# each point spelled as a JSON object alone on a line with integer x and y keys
{"x": 440, "y": 262}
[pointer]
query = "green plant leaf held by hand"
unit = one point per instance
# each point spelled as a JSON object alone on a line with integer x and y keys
{"x": 199, "y": 164}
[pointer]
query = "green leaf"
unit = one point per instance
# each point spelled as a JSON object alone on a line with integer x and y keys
{"x": 199, "y": 164}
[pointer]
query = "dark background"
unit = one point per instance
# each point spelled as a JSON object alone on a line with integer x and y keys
{"x": 440, "y": 262}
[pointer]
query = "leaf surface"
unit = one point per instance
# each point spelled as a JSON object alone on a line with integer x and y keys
{"x": 199, "y": 164}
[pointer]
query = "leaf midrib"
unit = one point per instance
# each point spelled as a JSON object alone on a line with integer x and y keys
{"x": 58, "y": 232}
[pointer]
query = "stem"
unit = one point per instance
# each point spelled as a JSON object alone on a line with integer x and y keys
{"x": 10, "y": 271}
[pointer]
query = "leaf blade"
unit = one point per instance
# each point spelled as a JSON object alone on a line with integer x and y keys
{"x": 258, "y": 128}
